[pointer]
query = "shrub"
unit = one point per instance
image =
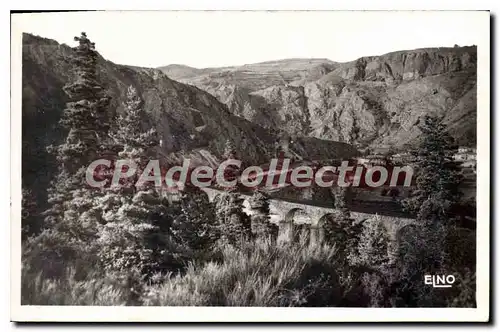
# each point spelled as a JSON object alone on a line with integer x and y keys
{"x": 256, "y": 274}
{"x": 373, "y": 245}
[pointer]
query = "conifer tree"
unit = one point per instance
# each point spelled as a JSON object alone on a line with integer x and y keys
{"x": 422, "y": 248}
{"x": 437, "y": 190}
{"x": 231, "y": 171}
{"x": 135, "y": 233}
{"x": 233, "y": 224}
{"x": 340, "y": 229}
{"x": 261, "y": 226}
{"x": 437, "y": 176}
{"x": 195, "y": 226}
{"x": 136, "y": 143}
{"x": 86, "y": 120}
{"x": 72, "y": 220}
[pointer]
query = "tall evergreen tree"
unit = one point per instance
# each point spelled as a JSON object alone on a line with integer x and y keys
{"x": 340, "y": 229}
{"x": 437, "y": 176}
{"x": 195, "y": 226}
{"x": 86, "y": 120}
{"x": 136, "y": 143}
{"x": 422, "y": 248}
{"x": 136, "y": 215}
{"x": 234, "y": 225}
{"x": 261, "y": 226}
{"x": 72, "y": 221}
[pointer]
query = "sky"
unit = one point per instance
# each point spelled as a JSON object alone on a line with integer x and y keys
{"x": 215, "y": 39}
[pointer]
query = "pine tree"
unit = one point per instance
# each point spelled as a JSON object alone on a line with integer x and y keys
{"x": 72, "y": 221}
{"x": 260, "y": 220}
{"x": 233, "y": 224}
{"x": 136, "y": 143}
{"x": 86, "y": 120}
{"x": 135, "y": 233}
{"x": 437, "y": 176}
{"x": 195, "y": 225}
{"x": 341, "y": 229}
{"x": 422, "y": 248}
{"x": 132, "y": 237}
{"x": 437, "y": 182}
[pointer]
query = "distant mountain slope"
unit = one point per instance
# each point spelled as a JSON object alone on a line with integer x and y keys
{"x": 252, "y": 76}
{"x": 177, "y": 72}
{"x": 373, "y": 101}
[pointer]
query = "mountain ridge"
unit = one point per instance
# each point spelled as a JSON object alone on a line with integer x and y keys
{"x": 372, "y": 101}
{"x": 325, "y": 60}
{"x": 191, "y": 122}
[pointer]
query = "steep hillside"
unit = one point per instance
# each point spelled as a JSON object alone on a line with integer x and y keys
{"x": 191, "y": 122}
{"x": 373, "y": 101}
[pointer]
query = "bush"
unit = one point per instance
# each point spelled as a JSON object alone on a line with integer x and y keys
{"x": 372, "y": 249}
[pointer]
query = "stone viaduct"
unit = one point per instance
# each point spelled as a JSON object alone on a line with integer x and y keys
{"x": 288, "y": 214}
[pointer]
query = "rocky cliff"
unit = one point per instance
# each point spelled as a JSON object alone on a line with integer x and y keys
{"x": 373, "y": 101}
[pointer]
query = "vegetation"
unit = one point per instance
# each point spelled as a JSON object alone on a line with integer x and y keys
{"x": 194, "y": 226}
{"x": 71, "y": 224}
{"x": 255, "y": 274}
{"x": 340, "y": 228}
{"x": 424, "y": 249}
{"x": 130, "y": 245}
{"x": 233, "y": 224}
{"x": 261, "y": 225}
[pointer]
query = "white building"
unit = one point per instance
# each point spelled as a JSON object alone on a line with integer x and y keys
{"x": 400, "y": 158}
{"x": 464, "y": 149}
{"x": 376, "y": 160}
{"x": 465, "y": 154}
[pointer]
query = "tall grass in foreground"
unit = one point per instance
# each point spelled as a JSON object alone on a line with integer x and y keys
{"x": 258, "y": 273}
{"x": 96, "y": 290}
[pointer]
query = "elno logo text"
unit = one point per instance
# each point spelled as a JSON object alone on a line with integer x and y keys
{"x": 439, "y": 281}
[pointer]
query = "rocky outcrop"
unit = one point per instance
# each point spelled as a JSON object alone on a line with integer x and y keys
{"x": 409, "y": 65}
{"x": 371, "y": 102}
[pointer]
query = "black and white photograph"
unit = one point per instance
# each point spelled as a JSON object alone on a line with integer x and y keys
{"x": 330, "y": 162}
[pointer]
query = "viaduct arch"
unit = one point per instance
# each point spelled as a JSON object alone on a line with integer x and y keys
{"x": 293, "y": 216}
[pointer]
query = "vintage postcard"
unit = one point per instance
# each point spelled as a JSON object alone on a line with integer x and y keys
{"x": 250, "y": 166}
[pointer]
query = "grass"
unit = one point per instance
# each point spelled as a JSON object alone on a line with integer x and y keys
{"x": 37, "y": 290}
{"x": 260, "y": 273}
{"x": 257, "y": 273}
